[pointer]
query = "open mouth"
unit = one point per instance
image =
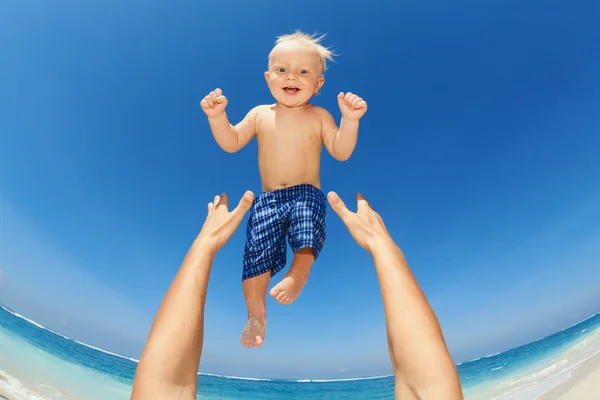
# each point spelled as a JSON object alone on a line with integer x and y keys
{"x": 291, "y": 89}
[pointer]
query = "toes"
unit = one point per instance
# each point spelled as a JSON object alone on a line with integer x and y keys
{"x": 245, "y": 339}
{"x": 286, "y": 291}
{"x": 284, "y": 298}
{"x": 254, "y": 332}
{"x": 281, "y": 298}
{"x": 289, "y": 299}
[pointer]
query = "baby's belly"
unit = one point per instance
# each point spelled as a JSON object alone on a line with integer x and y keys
{"x": 284, "y": 170}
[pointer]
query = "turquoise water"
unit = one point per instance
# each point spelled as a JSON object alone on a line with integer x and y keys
{"x": 36, "y": 363}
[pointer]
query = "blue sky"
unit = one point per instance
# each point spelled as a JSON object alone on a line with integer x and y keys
{"x": 479, "y": 149}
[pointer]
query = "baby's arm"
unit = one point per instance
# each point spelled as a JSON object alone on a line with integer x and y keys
{"x": 230, "y": 138}
{"x": 233, "y": 138}
{"x": 339, "y": 142}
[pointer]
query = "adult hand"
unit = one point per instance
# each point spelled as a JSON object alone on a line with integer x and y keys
{"x": 365, "y": 226}
{"x": 220, "y": 224}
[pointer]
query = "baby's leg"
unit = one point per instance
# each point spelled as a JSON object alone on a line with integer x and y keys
{"x": 264, "y": 255}
{"x": 255, "y": 292}
{"x": 307, "y": 236}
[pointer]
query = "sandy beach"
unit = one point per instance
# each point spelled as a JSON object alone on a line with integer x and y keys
{"x": 583, "y": 385}
{"x": 4, "y": 395}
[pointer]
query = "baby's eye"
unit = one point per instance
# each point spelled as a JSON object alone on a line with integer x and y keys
{"x": 303, "y": 72}
{"x": 281, "y": 69}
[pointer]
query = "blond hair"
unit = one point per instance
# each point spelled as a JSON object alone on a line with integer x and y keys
{"x": 325, "y": 53}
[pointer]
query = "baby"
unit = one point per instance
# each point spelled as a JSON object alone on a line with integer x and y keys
{"x": 290, "y": 135}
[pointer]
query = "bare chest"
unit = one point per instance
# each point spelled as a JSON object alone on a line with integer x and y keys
{"x": 297, "y": 128}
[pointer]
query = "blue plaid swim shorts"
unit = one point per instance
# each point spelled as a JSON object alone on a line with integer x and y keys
{"x": 297, "y": 212}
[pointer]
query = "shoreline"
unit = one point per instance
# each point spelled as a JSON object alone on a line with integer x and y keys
{"x": 584, "y": 383}
{"x": 4, "y": 395}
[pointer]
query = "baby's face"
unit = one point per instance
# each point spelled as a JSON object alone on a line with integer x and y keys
{"x": 294, "y": 74}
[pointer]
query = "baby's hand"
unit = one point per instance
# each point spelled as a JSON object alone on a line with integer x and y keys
{"x": 214, "y": 104}
{"x": 352, "y": 106}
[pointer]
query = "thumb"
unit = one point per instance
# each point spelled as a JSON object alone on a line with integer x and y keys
{"x": 242, "y": 207}
{"x": 222, "y": 100}
{"x": 340, "y": 96}
{"x": 338, "y": 205}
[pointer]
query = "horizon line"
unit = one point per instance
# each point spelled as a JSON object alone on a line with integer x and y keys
{"x": 304, "y": 380}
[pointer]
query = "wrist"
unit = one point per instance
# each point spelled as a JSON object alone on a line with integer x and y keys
{"x": 349, "y": 120}
{"x": 204, "y": 247}
{"x": 383, "y": 245}
{"x": 218, "y": 118}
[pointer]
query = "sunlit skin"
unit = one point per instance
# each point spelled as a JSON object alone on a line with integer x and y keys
{"x": 290, "y": 134}
{"x": 422, "y": 365}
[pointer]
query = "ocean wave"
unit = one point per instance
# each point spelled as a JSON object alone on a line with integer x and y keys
{"x": 105, "y": 351}
{"x": 479, "y": 358}
{"x": 40, "y": 326}
{"x": 34, "y": 323}
{"x": 492, "y": 355}
{"x": 234, "y": 377}
{"x": 17, "y": 389}
{"x": 539, "y": 379}
{"x": 551, "y": 371}
{"x": 526, "y": 344}
{"x": 583, "y": 320}
{"x": 341, "y": 379}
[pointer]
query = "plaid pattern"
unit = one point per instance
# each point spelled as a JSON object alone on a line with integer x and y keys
{"x": 297, "y": 212}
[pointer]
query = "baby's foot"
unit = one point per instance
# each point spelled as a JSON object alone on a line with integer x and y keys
{"x": 286, "y": 291}
{"x": 254, "y": 332}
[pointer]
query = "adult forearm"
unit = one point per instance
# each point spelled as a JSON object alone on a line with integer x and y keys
{"x": 345, "y": 140}
{"x": 419, "y": 355}
{"x": 172, "y": 354}
{"x": 224, "y": 133}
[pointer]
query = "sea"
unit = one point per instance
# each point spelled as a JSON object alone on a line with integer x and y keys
{"x": 39, "y": 364}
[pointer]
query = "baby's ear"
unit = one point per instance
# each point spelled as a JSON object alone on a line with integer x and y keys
{"x": 267, "y": 77}
{"x": 320, "y": 84}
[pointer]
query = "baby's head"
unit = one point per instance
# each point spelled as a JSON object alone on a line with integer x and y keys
{"x": 296, "y": 70}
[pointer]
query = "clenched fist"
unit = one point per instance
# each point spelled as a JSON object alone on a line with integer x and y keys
{"x": 214, "y": 103}
{"x": 352, "y": 106}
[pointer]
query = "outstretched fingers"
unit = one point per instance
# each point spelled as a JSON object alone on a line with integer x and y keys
{"x": 361, "y": 203}
{"x": 221, "y": 200}
{"x": 212, "y": 206}
{"x": 242, "y": 208}
{"x": 338, "y": 205}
